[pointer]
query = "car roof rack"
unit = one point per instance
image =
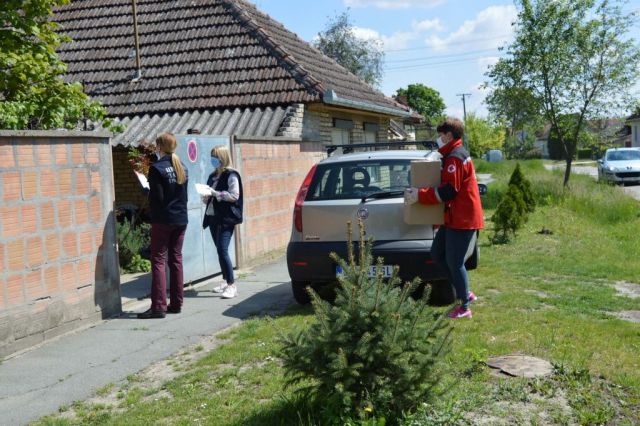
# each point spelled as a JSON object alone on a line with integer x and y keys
{"x": 348, "y": 148}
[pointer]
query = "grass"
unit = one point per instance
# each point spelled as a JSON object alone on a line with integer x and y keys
{"x": 547, "y": 296}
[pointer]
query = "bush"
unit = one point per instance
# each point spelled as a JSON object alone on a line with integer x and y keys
{"x": 531, "y": 154}
{"x": 130, "y": 243}
{"x": 507, "y": 220}
{"x": 374, "y": 351}
{"x": 584, "y": 153}
{"x": 523, "y": 184}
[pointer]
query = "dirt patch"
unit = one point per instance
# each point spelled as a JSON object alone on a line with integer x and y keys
{"x": 632, "y": 316}
{"x": 493, "y": 291}
{"x": 538, "y": 293}
{"x": 626, "y": 289}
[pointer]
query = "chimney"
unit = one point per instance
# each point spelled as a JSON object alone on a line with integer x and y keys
{"x": 402, "y": 99}
{"x": 193, "y": 131}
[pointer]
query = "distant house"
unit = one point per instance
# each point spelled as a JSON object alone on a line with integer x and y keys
{"x": 609, "y": 131}
{"x": 632, "y": 130}
{"x": 219, "y": 66}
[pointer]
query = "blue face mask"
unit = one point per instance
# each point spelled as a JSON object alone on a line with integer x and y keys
{"x": 215, "y": 162}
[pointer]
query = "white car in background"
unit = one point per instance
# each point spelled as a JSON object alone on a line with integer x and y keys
{"x": 368, "y": 186}
{"x": 620, "y": 165}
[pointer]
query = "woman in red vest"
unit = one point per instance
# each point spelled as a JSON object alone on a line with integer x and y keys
{"x": 462, "y": 213}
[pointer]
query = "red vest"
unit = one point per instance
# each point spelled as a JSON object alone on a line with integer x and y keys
{"x": 458, "y": 189}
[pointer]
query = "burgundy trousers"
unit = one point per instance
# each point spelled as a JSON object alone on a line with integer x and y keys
{"x": 166, "y": 239}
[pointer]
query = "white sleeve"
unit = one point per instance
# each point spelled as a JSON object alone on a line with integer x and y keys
{"x": 233, "y": 193}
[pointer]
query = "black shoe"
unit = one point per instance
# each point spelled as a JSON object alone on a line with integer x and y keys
{"x": 152, "y": 314}
{"x": 172, "y": 310}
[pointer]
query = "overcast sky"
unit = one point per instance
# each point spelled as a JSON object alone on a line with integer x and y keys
{"x": 443, "y": 44}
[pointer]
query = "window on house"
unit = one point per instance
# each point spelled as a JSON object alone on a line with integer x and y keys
{"x": 340, "y": 137}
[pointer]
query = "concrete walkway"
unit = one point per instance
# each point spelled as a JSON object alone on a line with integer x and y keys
{"x": 39, "y": 382}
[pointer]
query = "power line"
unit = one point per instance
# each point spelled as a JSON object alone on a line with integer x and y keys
{"x": 449, "y": 44}
{"x": 435, "y": 64}
{"x": 464, "y": 104}
{"x": 472, "y": 52}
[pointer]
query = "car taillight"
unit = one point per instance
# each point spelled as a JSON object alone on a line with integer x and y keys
{"x": 302, "y": 193}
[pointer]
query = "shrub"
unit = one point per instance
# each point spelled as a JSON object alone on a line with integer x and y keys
{"x": 584, "y": 153}
{"x": 523, "y": 184}
{"x": 130, "y": 242}
{"x": 374, "y": 351}
{"x": 507, "y": 220}
{"x": 531, "y": 154}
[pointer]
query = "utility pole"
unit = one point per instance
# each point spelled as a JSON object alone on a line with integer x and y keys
{"x": 464, "y": 105}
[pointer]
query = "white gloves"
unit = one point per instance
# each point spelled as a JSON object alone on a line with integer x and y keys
{"x": 411, "y": 195}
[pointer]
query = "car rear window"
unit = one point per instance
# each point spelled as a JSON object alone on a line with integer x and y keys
{"x": 358, "y": 179}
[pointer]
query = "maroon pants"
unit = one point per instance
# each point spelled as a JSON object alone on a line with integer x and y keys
{"x": 166, "y": 239}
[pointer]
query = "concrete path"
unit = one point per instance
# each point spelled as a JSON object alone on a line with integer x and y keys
{"x": 632, "y": 191}
{"x": 39, "y": 382}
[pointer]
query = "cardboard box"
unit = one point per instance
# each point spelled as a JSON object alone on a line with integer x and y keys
{"x": 424, "y": 174}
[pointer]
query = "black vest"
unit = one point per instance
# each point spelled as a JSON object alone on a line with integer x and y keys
{"x": 173, "y": 208}
{"x": 224, "y": 212}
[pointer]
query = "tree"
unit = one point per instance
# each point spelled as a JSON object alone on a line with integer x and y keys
{"x": 570, "y": 58}
{"x": 424, "y": 100}
{"x": 483, "y": 134}
{"x": 32, "y": 92}
{"x": 364, "y": 58}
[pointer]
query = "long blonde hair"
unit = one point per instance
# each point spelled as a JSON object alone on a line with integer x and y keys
{"x": 168, "y": 143}
{"x": 223, "y": 154}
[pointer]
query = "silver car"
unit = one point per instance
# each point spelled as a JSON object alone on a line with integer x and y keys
{"x": 367, "y": 186}
{"x": 620, "y": 165}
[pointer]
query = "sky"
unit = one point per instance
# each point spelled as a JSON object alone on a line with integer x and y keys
{"x": 444, "y": 44}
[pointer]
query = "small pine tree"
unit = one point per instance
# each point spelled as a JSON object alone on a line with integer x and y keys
{"x": 507, "y": 220}
{"x": 375, "y": 348}
{"x": 516, "y": 195}
{"x": 518, "y": 179}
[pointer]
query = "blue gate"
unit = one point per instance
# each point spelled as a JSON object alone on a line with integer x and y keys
{"x": 199, "y": 255}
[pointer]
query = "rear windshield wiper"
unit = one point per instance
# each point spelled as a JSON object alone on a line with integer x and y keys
{"x": 382, "y": 195}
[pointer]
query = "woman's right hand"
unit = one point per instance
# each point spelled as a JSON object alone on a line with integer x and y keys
{"x": 205, "y": 199}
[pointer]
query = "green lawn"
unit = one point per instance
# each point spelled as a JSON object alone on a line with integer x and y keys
{"x": 548, "y": 296}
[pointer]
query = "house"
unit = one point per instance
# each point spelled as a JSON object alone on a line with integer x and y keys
{"x": 606, "y": 131}
{"x": 223, "y": 68}
{"x": 632, "y": 130}
{"x": 406, "y": 128}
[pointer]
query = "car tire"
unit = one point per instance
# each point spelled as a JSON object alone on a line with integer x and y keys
{"x": 474, "y": 260}
{"x": 300, "y": 292}
{"x": 442, "y": 293}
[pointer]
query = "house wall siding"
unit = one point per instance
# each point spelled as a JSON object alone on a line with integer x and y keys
{"x": 58, "y": 261}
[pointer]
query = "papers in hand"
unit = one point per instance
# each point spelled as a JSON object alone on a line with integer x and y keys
{"x": 143, "y": 179}
{"x": 203, "y": 189}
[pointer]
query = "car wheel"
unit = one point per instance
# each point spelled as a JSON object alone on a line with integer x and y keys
{"x": 300, "y": 292}
{"x": 442, "y": 293}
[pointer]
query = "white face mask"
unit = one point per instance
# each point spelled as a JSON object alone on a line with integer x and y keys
{"x": 440, "y": 142}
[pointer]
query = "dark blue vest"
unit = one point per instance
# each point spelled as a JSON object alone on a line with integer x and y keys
{"x": 225, "y": 213}
{"x": 173, "y": 208}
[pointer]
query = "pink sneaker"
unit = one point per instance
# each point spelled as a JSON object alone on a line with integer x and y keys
{"x": 472, "y": 297}
{"x": 459, "y": 313}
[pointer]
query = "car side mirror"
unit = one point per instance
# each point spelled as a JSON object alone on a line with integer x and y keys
{"x": 482, "y": 189}
{"x": 600, "y": 161}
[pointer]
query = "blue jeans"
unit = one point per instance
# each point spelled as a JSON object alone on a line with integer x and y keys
{"x": 447, "y": 251}
{"x": 221, "y": 235}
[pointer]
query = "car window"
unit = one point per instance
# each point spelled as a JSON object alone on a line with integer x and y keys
{"x": 623, "y": 155}
{"x": 358, "y": 179}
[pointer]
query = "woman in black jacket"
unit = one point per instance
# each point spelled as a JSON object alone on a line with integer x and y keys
{"x": 168, "y": 206}
{"x": 223, "y": 213}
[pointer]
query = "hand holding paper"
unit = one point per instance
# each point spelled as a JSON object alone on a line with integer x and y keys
{"x": 142, "y": 179}
{"x": 203, "y": 189}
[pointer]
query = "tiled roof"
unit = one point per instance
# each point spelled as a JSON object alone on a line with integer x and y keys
{"x": 196, "y": 55}
{"x": 263, "y": 121}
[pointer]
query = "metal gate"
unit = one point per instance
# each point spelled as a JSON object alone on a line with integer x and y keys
{"x": 199, "y": 255}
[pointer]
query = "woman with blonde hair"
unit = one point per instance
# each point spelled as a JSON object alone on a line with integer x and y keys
{"x": 223, "y": 213}
{"x": 168, "y": 207}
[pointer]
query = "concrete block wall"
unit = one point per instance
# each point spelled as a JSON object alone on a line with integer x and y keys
{"x": 58, "y": 261}
{"x": 272, "y": 171}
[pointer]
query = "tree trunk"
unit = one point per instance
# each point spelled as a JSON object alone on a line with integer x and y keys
{"x": 567, "y": 172}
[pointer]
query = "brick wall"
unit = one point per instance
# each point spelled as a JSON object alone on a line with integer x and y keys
{"x": 272, "y": 171}
{"x": 58, "y": 262}
{"x": 126, "y": 184}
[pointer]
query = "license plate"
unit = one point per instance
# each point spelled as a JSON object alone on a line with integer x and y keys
{"x": 387, "y": 271}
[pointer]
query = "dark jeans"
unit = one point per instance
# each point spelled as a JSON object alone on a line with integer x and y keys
{"x": 221, "y": 235}
{"x": 166, "y": 239}
{"x": 448, "y": 250}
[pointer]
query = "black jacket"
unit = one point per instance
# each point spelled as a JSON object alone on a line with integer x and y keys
{"x": 224, "y": 212}
{"x": 167, "y": 199}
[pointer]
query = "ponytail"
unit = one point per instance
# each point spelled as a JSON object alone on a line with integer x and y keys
{"x": 178, "y": 169}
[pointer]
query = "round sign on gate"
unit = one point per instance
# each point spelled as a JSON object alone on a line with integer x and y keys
{"x": 192, "y": 151}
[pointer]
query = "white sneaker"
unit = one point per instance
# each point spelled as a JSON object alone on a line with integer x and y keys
{"x": 221, "y": 288}
{"x": 230, "y": 292}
